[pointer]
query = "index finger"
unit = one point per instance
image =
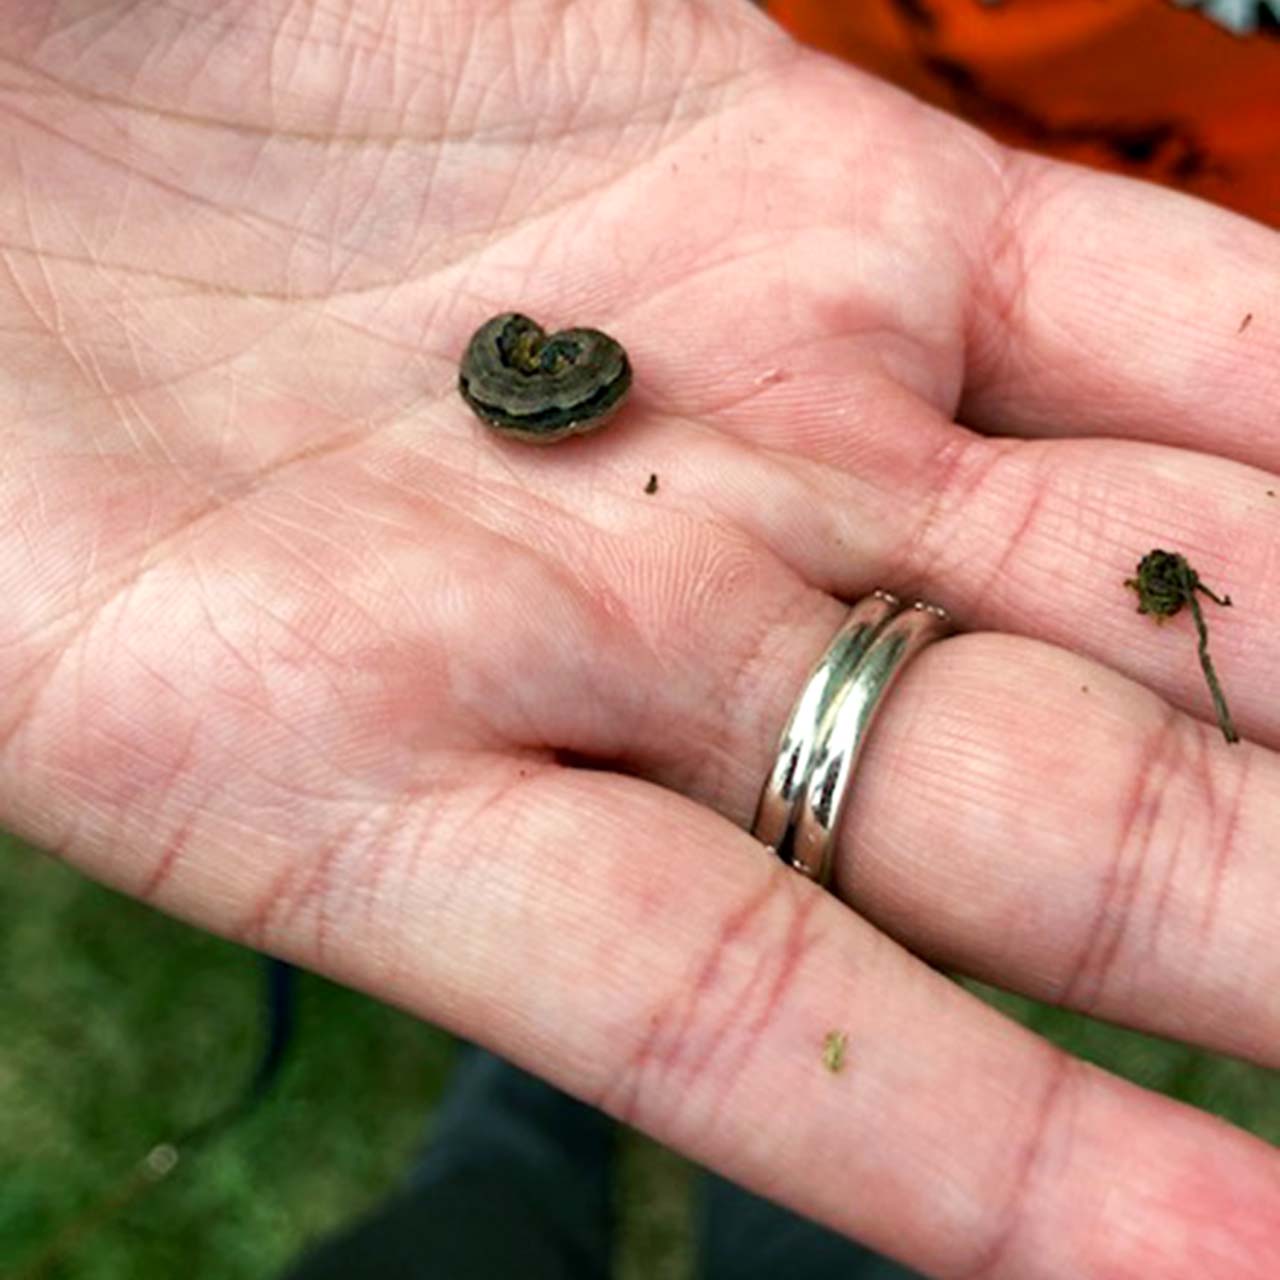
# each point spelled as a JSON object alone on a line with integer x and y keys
{"x": 657, "y": 962}
{"x": 649, "y": 957}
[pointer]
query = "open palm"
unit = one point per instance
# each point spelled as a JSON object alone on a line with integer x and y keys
{"x": 294, "y": 648}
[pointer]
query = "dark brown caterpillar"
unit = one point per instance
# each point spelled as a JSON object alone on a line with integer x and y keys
{"x": 539, "y": 387}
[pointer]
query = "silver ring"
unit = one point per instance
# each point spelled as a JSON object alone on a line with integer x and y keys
{"x": 780, "y": 797}
{"x": 805, "y": 794}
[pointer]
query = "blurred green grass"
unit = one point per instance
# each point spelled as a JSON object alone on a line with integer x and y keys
{"x": 121, "y": 1027}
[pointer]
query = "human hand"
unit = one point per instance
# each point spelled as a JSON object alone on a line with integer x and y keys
{"x": 298, "y": 651}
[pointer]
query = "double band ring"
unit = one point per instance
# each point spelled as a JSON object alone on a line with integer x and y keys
{"x": 805, "y": 794}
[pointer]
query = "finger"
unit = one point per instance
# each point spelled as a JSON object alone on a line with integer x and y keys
{"x": 1109, "y": 307}
{"x": 1041, "y": 538}
{"x": 1036, "y": 538}
{"x": 649, "y": 958}
{"x": 1028, "y": 817}
{"x": 708, "y": 980}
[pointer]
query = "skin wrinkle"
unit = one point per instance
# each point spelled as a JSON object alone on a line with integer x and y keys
{"x": 734, "y": 256}
{"x": 149, "y": 890}
{"x": 287, "y": 725}
{"x": 288, "y": 535}
{"x": 567, "y": 571}
{"x": 544, "y": 529}
{"x": 758, "y": 670}
{"x": 190, "y": 285}
{"x": 459, "y": 860}
{"x": 798, "y": 943}
{"x": 1212, "y": 821}
{"x": 341, "y": 783}
{"x": 112, "y": 811}
{"x": 703, "y": 1025}
{"x": 40, "y": 680}
{"x": 1159, "y": 759}
{"x": 390, "y": 859}
{"x": 1039, "y": 493}
{"x": 411, "y": 833}
{"x": 671, "y": 1020}
{"x": 999, "y": 276}
{"x": 130, "y": 322}
{"x": 126, "y": 414}
{"x": 1223, "y": 835}
{"x": 645, "y": 749}
{"x": 228, "y": 24}
{"x": 126, "y": 802}
{"x": 174, "y": 769}
{"x": 214, "y": 628}
{"x": 1064, "y": 1078}
{"x": 28, "y": 698}
{"x": 711, "y": 91}
{"x": 53, "y": 325}
{"x": 1166, "y": 899}
{"x": 252, "y": 929}
{"x": 153, "y": 556}
{"x": 311, "y": 897}
{"x": 665, "y": 109}
{"x": 129, "y": 411}
{"x": 256, "y": 223}
{"x": 331, "y": 876}
{"x": 497, "y": 232}
{"x": 369, "y": 549}
{"x": 329, "y": 665}
{"x": 960, "y": 470}
{"x": 394, "y": 870}
{"x": 442, "y": 835}
{"x": 113, "y": 595}
{"x": 247, "y": 222}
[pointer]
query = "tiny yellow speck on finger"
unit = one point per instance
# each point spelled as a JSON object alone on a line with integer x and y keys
{"x": 833, "y": 1047}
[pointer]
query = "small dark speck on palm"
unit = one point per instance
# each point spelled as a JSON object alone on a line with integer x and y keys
{"x": 652, "y": 485}
{"x": 1165, "y": 583}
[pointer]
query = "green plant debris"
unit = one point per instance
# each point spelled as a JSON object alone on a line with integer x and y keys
{"x": 1165, "y": 583}
{"x": 833, "y": 1047}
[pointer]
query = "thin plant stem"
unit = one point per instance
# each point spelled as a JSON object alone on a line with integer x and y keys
{"x": 1215, "y": 689}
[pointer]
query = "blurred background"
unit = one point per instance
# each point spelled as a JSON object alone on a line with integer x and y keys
{"x": 120, "y": 1028}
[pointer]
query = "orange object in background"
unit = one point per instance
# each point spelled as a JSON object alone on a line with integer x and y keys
{"x": 1184, "y": 92}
